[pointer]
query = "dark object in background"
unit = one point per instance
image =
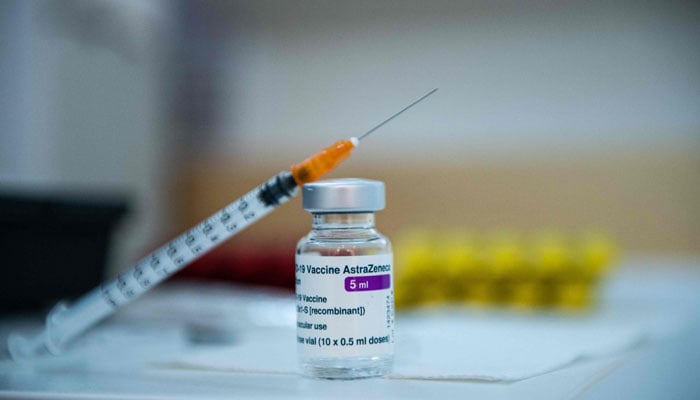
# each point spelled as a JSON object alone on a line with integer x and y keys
{"x": 270, "y": 264}
{"x": 53, "y": 247}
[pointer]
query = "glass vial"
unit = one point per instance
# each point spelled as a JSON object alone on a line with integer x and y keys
{"x": 344, "y": 283}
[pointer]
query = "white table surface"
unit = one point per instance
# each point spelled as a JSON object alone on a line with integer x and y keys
{"x": 668, "y": 366}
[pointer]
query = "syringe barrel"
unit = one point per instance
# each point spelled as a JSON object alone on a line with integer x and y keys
{"x": 65, "y": 323}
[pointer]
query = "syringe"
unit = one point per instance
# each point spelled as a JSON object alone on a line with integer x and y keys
{"x": 65, "y": 322}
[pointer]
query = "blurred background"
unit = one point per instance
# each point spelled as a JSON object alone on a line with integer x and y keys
{"x": 570, "y": 116}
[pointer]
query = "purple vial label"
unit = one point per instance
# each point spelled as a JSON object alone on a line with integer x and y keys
{"x": 365, "y": 283}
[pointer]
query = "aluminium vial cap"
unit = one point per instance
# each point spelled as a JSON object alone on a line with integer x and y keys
{"x": 343, "y": 195}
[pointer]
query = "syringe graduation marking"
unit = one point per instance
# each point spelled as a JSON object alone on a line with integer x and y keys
{"x": 197, "y": 241}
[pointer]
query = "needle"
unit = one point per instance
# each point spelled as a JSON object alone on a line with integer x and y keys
{"x": 397, "y": 114}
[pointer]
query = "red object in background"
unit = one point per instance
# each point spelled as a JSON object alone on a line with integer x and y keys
{"x": 269, "y": 266}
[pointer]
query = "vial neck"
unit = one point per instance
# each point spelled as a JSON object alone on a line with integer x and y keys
{"x": 343, "y": 220}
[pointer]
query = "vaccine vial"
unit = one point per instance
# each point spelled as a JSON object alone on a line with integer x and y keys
{"x": 344, "y": 283}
